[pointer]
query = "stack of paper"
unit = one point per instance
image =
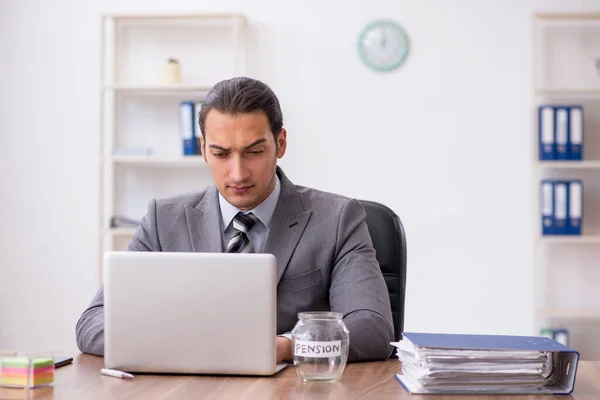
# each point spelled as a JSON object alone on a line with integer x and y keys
{"x": 444, "y": 363}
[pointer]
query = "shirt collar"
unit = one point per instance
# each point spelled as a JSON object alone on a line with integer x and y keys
{"x": 264, "y": 211}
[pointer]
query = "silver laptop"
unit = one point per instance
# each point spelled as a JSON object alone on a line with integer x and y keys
{"x": 190, "y": 313}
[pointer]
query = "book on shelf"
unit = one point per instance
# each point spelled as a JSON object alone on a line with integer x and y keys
{"x": 561, "y": 335}
{"x": 197, "y": 131}
{"x": 189, "y": 128}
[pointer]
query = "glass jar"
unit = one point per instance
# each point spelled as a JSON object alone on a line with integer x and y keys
{"x": 320, "y": 342}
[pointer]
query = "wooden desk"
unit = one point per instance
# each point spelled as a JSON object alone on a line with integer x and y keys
{"x": 373, "y": 380}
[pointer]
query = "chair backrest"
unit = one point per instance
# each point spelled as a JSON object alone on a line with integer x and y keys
{"x": 389, "y": 240}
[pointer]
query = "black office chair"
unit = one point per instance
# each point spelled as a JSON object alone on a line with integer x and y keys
{"x": 389, "y": 240}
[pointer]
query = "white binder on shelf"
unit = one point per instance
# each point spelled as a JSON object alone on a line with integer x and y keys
{"x": 562, "y": 133}
{"x": 547, "y": 206}
{"x": 561, "y": 200}
{"x": 576, "y": 133}
{"x": 547, "y": 145}
{"x": 575, "y": 207}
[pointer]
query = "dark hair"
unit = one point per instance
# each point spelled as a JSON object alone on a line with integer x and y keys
{"x": 243, "y": 95}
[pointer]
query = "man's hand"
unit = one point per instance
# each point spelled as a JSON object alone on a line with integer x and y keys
{"x": 284, "y": 349}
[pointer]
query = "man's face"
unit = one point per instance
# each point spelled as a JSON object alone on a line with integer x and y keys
{"x": 242, "y": 156}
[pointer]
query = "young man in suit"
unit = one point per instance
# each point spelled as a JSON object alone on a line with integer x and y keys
{"x": 325, "y": 257}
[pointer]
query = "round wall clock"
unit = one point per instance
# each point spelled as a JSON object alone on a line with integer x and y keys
{"x": 383, "y": 45}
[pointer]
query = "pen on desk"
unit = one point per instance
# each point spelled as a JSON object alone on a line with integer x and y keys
{"x": 115, "y": 373}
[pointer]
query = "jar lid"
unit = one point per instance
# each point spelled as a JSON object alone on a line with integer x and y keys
{"x": 320, "y": 315}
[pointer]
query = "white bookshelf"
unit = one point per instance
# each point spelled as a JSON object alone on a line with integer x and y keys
{"x": 567, "y": 267}
{"x": 138, "y": 111}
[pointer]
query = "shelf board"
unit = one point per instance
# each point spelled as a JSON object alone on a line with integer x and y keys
{"x": 174, "y": 16}
{"x": 157, "y": 89}
{"x": 121, "y": 231}
{"x": 569, "y": 313}
{"x": 179, "y": 21}
{"x": 570, "y": 239}
{"x": 569, "y": 164}
{"x": 158, "y": 161}
{"x": 567, "y": 16}
{"x": 569, "y": 91}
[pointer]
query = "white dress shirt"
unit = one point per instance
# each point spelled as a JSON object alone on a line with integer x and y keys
{"x": 263, "y": 212}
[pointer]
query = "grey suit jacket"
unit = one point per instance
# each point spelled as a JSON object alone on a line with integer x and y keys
{"x": 325, "y": 261}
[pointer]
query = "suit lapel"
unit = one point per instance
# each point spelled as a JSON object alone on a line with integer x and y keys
{"x": 288, "y": 224}
{"x": 204, "y": 224}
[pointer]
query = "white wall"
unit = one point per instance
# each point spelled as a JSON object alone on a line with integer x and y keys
{"x": 444, "y": 141}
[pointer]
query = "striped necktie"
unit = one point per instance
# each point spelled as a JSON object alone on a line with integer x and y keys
{"x": 240, "y": 243}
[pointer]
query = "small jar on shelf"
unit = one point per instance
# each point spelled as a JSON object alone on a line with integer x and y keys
{"x": 170, "y": 73}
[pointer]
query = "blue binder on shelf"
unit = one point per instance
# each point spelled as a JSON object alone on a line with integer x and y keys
{"x": 576, "y": 132}
{"x": 575, "y": 216}
{"x": 561, "y": 336}
{"x": 562, "y": 360}
{"x": 187, "y": 127}
{"x": 561, "y": 207}
{"x": 561, "y": 132}
{"x": 197, "y": 131}
{"x": 547, "y": 206}
{"x": 547, "y": 144}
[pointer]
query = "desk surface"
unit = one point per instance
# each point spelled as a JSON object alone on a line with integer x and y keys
{"x": 373, "y": 380}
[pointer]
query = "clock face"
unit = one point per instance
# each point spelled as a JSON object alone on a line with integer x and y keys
{"x": 383, "y": 45}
